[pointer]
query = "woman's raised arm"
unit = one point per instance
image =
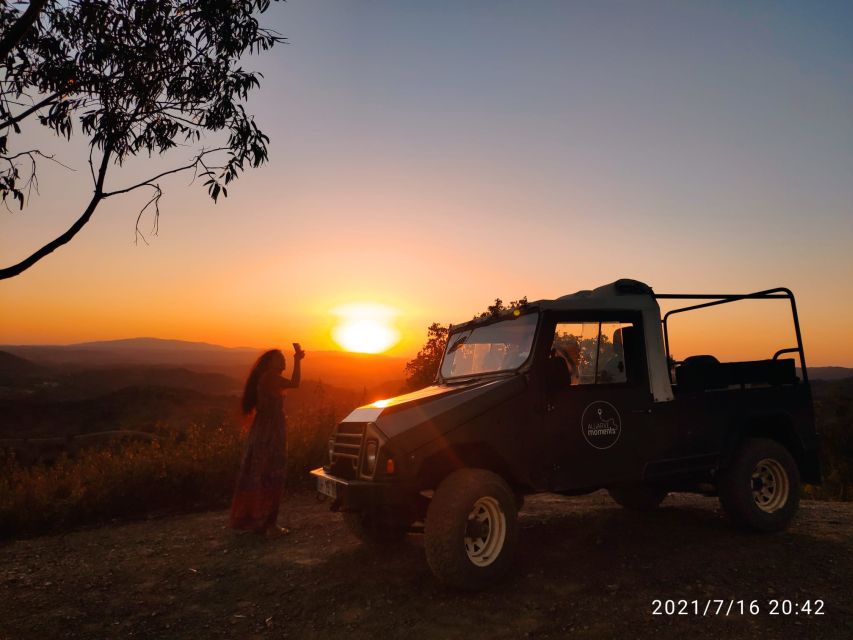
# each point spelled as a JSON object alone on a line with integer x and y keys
{"x": 274, "y": 382}
{"x": 293, "y": 382}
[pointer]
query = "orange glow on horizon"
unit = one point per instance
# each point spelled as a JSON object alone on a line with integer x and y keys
{"x": 438, "y": 192}
{"x": 365, "y": 328}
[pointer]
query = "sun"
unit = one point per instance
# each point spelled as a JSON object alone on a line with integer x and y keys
{"x": 365, "y": 327}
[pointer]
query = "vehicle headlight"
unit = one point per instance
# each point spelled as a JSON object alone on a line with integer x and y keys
{"x": 371, "y": 452}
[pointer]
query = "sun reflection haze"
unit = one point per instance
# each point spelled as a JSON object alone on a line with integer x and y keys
{"x": 365, "y": 327}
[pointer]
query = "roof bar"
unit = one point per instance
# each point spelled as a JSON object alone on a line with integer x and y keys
{"x": 723, "y": 298}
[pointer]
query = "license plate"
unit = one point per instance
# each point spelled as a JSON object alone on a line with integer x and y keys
{"x": 327, "y": 487}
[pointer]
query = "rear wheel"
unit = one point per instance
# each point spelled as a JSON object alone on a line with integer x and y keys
{"x": 375, "y": 531}
{"x": 471, "y": 529}
{"x": 640, "y": 497}
{"x": 760, "y": 488}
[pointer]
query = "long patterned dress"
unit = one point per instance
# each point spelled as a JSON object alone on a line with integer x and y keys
{"x": 262, "y": 473}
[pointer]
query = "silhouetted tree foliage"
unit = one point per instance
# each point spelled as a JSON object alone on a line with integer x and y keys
{"x": 132, "y": 76}
{"x": 496, "y": 309}
{"x": 421, "y": 371}
{"x": 582, "y": 350}
{"x": 834, "y": 416}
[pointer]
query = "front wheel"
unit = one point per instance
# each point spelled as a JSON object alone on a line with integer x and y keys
{"x": 760, "y": 488}
{"x": 471, "y": 529}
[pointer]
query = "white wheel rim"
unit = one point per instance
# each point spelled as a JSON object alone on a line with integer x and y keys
{"x": 770, "y": 485}
{"x": 485, "y": 532}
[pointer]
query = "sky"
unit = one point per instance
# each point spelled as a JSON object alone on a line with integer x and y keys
{"x": 431, "y": 156}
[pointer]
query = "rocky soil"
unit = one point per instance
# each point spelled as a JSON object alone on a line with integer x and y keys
{"x": 585, "y": 569}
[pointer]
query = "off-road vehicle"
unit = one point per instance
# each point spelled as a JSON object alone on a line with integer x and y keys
{"x": 570, "y": 396}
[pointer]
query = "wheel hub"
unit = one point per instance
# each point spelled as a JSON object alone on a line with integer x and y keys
{"x": 477, "y": 529}
{"x": 485, "y": 531}
{"x": 770, "y": 485}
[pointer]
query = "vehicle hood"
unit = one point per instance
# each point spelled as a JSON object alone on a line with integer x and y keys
{"x": 432, "y": 411}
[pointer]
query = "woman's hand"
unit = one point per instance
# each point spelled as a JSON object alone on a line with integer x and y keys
{"x": 298, "y": 353}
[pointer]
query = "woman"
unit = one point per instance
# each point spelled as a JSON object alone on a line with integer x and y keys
{"x": 261, "y": 480}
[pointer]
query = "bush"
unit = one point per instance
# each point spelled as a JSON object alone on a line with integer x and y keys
{"x": 180, "y": 470}
{"x": 195, "y": 468}
{"x": 833, "y": 402}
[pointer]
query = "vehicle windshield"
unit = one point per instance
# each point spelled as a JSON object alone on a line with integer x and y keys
{"x": 500, "y": 346}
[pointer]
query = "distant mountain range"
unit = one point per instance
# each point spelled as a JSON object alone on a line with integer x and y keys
{"x": 136, "y": 384}
{"x": 134, "y": 351}
{"x": 57, "y": 391}
{"x": 830, "y": 373}
{"x": 337, "y": 368}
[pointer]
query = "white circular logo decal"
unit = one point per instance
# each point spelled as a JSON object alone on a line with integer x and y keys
{"x": 601, "y": 424}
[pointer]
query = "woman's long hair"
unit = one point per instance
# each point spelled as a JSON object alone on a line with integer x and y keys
{"x": 250, "y": 393}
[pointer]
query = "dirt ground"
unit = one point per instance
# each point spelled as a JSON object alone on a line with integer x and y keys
{"x": 585, "y": 569}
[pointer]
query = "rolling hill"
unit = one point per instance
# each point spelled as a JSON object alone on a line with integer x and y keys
{"x": 337, "y": 368}
{"x": 14, "y": 368}
{"x": 59, "y": 391}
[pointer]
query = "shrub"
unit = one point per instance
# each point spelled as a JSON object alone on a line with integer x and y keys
{"x": 196, "y": 467}
{"x": 179, "y": 470}
{"x": 833, "y": 402}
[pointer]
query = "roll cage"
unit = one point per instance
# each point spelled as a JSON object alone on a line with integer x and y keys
{"x": 724, "y": 298}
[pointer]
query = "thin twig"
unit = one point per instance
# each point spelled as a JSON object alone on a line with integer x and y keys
{"x": 155, "y": 200}
{"x": 36, "y": 152}
{"x": 32, "y": 181}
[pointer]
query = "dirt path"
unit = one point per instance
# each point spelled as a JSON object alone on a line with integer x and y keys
{"x": 586, "y": 569}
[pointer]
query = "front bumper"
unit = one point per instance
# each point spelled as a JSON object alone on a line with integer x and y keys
{"x": 364, "y": 495}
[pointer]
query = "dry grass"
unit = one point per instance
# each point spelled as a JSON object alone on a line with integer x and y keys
{"x": 181, "y": 470}
{"x": 195, "y": 468}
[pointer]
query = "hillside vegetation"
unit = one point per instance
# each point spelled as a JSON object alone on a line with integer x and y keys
{"x": 176, "y": 470}
{"x": 834, "y": 417}
{"x": 179, "y": 445}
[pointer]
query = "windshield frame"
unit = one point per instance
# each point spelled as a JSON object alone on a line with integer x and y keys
{"x": 477, "y": 324}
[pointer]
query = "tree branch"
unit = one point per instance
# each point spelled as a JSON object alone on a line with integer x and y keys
{"x": 34, "y": 108}
{"x": 50, "y": 247}
{"x": 18, "y": 30}
{"x": 150, "y": 181}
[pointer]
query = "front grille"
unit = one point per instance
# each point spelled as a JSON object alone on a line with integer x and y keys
{"x": 346, "y": 451}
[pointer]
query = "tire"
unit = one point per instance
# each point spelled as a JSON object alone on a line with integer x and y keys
{"x": 471, "y": 529}
{"x": 372, "y": 531}
{"x": 639, "y": 497}
{"x": 760, "y": 488}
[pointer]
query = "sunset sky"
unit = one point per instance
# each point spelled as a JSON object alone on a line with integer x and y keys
{"x": 430, "y": 156}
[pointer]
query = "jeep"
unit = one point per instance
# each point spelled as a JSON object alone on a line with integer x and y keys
{"x": 570, "y": 396}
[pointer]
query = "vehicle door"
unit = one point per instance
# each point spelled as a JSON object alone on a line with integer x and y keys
{"x": 597, "y": 400}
